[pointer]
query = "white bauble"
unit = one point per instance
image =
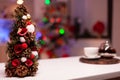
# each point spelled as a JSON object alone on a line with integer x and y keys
{"x": 20, "y": 1}
{"x": 22, "y": 39}
{"x": 23, "y": 59}
{"x": 35, "y": 53}
{"x": 30, "y": 28}
{"x": 24, "y": 17}
{"x": 28, "y": 16}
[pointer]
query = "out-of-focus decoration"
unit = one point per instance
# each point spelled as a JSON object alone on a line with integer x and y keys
{"x": 62, "y": 31}
{"x": 99, "y": 28}
{"x": 5, "y": 27}
{"x": 47, "y": 2}
{"x": 22, "y": 48}
{"x": 55, "y": 32}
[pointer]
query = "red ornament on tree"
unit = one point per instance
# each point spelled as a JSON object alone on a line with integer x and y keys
{"x": 29, "y": 63}
{"x": 32, "y": 56}
{"x": 15, "y": 63}
{"x": 24, "y": 45}
{"x": 22, "y": 31}
{"x": 18, "y": 48}
{"x": 28, "y": 23}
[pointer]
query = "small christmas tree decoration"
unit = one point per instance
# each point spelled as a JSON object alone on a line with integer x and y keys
{"x": 22, "y": 50}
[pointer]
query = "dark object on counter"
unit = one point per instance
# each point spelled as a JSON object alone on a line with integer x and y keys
{"x": 106, "y": 50}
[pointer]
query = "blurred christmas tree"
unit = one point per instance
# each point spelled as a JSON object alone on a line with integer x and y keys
{"x": 54, "y": 30}
{"x": 22, "y": 50}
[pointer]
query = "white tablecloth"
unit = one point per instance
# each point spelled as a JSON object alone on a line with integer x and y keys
{"x": 69, "y": 68}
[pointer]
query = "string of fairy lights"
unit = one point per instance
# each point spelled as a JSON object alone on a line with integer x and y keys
{"x": 47, "y": 2}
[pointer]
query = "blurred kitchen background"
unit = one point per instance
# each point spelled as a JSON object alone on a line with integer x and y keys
{"x": 65, "y": 27}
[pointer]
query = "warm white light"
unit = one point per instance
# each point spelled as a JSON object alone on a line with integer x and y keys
{"x": 20, "y": 1}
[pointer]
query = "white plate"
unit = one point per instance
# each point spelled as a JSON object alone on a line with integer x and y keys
{"x": 85, "y": 57}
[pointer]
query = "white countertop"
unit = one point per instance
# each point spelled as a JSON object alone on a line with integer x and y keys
{"x": 67, "y": 69}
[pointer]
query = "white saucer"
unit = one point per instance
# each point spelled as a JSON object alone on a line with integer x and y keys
{"x": 85, "y": 57}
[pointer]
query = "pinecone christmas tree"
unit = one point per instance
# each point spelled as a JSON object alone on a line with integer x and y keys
{"x": 21, "y": 49}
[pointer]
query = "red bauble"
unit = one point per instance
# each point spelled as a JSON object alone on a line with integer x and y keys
{"x": 24, "y": 45}
{"x": 52, "y": 20}
{"x": 29, "y": 63}
{"x": 32, "y": 56}
{"x": 22, "y": 31}
{"x": 58, "y": 20}
{"x": 15, "y": 63}
{"x": 28, "y": 23}
{"x": 18, "y": 48}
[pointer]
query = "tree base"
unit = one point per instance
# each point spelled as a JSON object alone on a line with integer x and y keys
{"x": 21, "y": 71}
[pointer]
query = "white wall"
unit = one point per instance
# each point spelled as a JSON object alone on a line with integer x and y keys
{"x": 116, "y": 25}
{"x": 39, "y": 8}
{"x": 77, "y": 9}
